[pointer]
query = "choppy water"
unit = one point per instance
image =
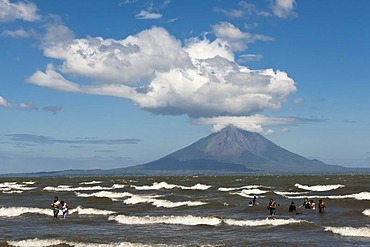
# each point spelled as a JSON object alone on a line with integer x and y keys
{"x": 185, "y": 211}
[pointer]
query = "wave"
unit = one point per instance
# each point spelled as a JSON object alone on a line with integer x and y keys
{"x": 108, "y": 194}
{"x": 136, "y": 199}
{"x": 366, "y": 212}
{"x": 240, "y": 188}
{"x": 91, "y": 211}
{"x": 196, "y": 220}
{"x": 350, "y": 231}
{"x": 55, "y": 242}
{"x": 18, "y": 211}
{"x": 283, "y": 193}
{"x": 91, "y": 182}
{"x": 165, "y": 185}
{"x": 358, "y": 196}
{"x": 69, "y": 188}
{"x": 14, "y": 187}
{"x": 319, "y": 187}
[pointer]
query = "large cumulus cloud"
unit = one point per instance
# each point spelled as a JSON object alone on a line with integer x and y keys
{"x": 157, "y": 72}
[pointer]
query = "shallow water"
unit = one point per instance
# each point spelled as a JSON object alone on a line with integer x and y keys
{"x": 184, "y": 211}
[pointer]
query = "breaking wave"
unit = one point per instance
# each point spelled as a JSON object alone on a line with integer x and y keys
{"x": 55, "y": 242}
{"x": 136, "y": 199}
{"x": 240, "y": 188}
{"x": 164, "y": 185}
{"x": 366, "y": 212}
{"x": 358, "y": 196}
{"x": 14, "y": 187}
{"x": 18, "y": 211}
{"x": 319, "y": 187}
{"x": 196, "y": 220}
{"x": 108, "y": 194}
{"x": 69, "y": 188}
{"x": 350, "y": 231}
{"x": 91, "y": 182}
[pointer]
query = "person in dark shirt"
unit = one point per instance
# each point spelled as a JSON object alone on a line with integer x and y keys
{"x": 292, "y": 207}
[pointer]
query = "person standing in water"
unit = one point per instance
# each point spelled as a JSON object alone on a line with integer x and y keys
{"x": 272, "y": 207}
{"x": 56, "y": 205}
{"x": 322, "y": 206}
{"x": 292, "y": 207}
{"x": 64, "y": 209}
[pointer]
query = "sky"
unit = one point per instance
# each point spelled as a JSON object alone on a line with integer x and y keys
{"x": 107, "y": 84}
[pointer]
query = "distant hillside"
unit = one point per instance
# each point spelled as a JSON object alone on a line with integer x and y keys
{"x": 231, "y": 151}
{"x": 236, "y": 150}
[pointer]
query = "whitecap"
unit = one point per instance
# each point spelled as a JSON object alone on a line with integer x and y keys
{"x": 69, "y": 188}
{"x": 55, "y": 242}
{"x": 17, "y": 211}
{"x": 174, "y": 220}
{"x": 366, "y": 212}
{"x": 91, "y": 211}
{"x": 283, "y": 193}
{"x": 350, "y": 231}
{"x": 91, "y": 182}
{"x": 319, "y": 187}
{"x": 240, "y": 188}
{"x": 358, "y": 196}
{"x": 136, "y": 199}
{"x": 155, "y": 186}
{"x": 165, "y": 185}
{"x": 264, "y": 222}
{"x": 107, "y": 194}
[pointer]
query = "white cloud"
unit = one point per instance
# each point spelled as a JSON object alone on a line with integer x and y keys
{"x": 28, "y": 106}
{"x": 20, "y": 33}
{"x": 234, "y": 13}
{"x": 25, "y": 11}
{"x": 249, "y": 57}
{"x": 254, "y": 123}
{"x": 146, "y": 15}
{"x": 283, "y": 8}
{"x": 3, "y": 102}
{"x": 235, "y": 38}
{"x": 159, "y": 74}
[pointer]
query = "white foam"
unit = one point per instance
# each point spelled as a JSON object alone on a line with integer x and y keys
{"x": 264, "y": 222}
{"x": 91, "y": 182}
{"x": 174, "y": 220}
{"x": 358, "y": 196}
{"x": 283, "y": 193}
{"x": 240, "y": 188}
{"x": 55, "y": 242}
{"x": 91, "y": 211}
{"x": 350, "y": 231}
{"x": 29, "y": 182}
{"x": 69, "y": 188}
{"x": 107, "y": 194}
{"x": 165, "y": 185}
{"x": 17, "y": 211}
{"x": 14, "y": 187}
{"x": 366, "y": 212}
{"x": 136, "y": 199}
{"x": 319, "y": 187}
{"x": 196, "y": 220}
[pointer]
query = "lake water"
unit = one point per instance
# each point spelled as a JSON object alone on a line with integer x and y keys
{"x": 185, "y": 211}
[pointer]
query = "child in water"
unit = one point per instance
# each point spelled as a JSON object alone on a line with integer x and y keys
{"x": 64, "y": 209}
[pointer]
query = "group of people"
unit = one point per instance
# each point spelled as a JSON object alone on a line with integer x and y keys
{"x": 272, "y": 205}
{"x": 59, "y": 205}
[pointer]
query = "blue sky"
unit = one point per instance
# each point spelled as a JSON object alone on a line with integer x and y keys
{"x": 106, "y": 84}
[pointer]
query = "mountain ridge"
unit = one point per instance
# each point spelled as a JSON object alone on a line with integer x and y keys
{"x": 231, "y": 151}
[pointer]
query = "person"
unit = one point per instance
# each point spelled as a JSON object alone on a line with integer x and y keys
{"x": 56, "y": 205}
{"x": 250, "y": 204}
{"x": 322, "y": 206}
{"x": 312, "y": 205}
{"x": 292, "y": 207}
{"x": 254, "y": 201}
{"x": 65, "y": 208}
{"x": 306, "y": 204}
{"x": 272, "y": 207}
